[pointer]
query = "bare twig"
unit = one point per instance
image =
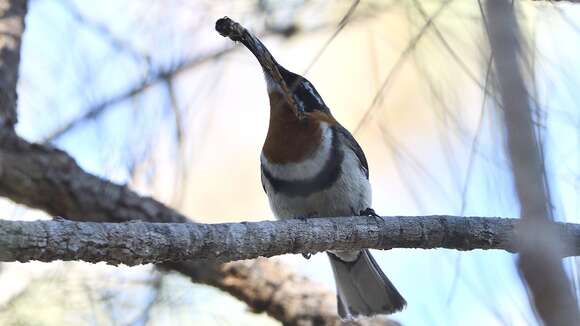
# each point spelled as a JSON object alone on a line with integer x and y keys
{"x": 152, "y": 79}
{"x": 341, "y": 24}
{"x": 104, "y": 31}
{"x": 398, "y": 64}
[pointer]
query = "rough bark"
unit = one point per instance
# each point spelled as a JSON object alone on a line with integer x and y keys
{"x": 540, "y": 247}
{"x": 271, "y": 287}
{"x": 46, "y": 178}
{"x": 135, "y": 243}
{"x": 12, "y": 15}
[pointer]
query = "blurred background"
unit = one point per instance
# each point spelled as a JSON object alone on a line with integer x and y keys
{"x": 147, "y": 94}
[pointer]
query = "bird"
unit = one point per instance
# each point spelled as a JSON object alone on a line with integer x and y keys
{"x": 311, "y": 166}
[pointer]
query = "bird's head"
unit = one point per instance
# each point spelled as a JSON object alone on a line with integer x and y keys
{"x": 301, "y": 89}
{"x": 292, "y": 139}
{"x": 298, "y": 115}
{"x": 286, "y": 90}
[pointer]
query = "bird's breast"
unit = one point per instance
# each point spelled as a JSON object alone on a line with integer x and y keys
{"x": 309, "y": 169}
{"x": 311, "y": 162}
{"x": 317, "y": 172}
{"x": 327, "y": 183}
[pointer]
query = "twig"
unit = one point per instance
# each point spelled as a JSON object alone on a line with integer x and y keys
{"x": 398, "y": 64}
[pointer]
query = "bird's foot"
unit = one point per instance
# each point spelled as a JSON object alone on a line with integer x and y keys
{"x": 305, "y": 218}
{"x": 368, "y": 212}
{"x": 371, "y": 212}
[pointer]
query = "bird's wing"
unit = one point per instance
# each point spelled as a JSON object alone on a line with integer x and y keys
{"x": 262, "y": 178}
{"x": 351, "y": 143}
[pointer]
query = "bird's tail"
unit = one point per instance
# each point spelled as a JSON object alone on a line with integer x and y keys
{"x": 363, "y": 288}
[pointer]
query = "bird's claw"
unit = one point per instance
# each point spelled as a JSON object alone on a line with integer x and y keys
{"x": 371, "y": 212}
{"x": 307, "y": 255}
{"x": 305, "y": 218}
{"x": 368, "y": 212}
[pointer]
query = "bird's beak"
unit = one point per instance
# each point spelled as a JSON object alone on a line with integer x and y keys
{"x": 236, "y": 32}
{"x": 228, "y": 28}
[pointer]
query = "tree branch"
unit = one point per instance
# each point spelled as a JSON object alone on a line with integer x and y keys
{"x": 43, "y": 177}
{"x": 47, "y": 178}
{"x": 135, "y": 243}
{"x": 12, "y": 14}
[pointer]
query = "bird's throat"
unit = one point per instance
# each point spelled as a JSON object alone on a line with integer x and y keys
{"x": 290, "y": 140}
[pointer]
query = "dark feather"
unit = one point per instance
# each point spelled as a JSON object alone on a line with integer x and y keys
{"x": 363, "y": 288}
{"x": 304, "y": 91}
{"x": 262, "y": 180}
{"x": 349, "y": 141}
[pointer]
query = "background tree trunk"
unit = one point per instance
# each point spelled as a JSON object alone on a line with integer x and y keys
{"x": 541, "y": 249}
{"x": 12, "y": 15}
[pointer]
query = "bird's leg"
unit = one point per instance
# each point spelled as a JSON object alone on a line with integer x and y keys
{"x": 304, "y": 219}
{"x": 371, "y": 212}
{"x": 368, "y": 212}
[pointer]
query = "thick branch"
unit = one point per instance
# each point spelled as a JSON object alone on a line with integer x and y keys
{"x": 12, "y": 14}
{"x": 136, "y": 243}
{"x": 49, "y": 179}
{"x": 46, "y": 178}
